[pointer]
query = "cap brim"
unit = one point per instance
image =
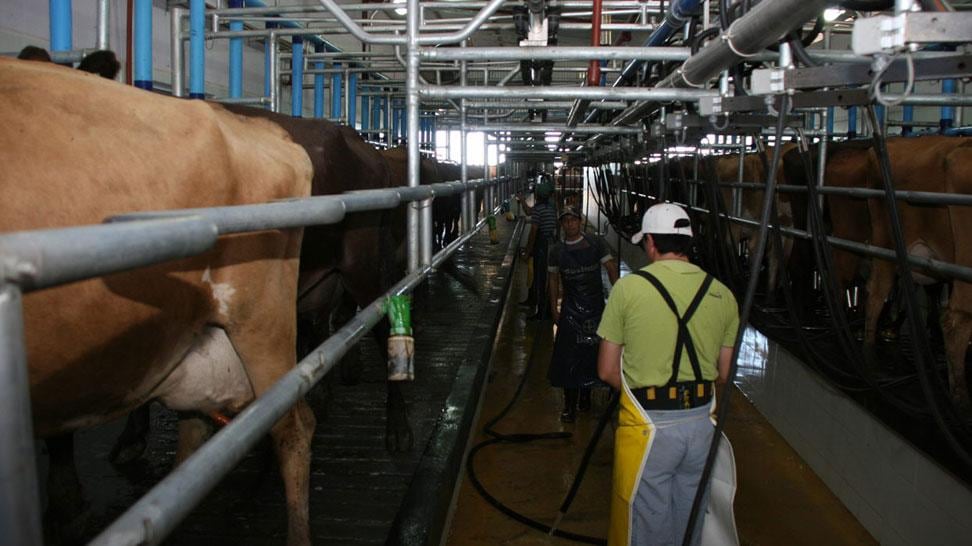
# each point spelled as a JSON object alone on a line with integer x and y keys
{"x": 637, "y": 237}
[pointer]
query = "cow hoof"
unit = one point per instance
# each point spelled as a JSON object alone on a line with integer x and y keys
{"x": 399, "y": 440}
{"x": 127, "y": 453}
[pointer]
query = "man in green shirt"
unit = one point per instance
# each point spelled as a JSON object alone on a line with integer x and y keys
{"x": 667, "y": 334}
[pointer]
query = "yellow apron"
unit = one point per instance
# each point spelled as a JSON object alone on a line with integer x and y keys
{"x": 632, "y": 443}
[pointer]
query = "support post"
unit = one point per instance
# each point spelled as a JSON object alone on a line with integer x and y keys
{"x": 269, "y": 66}
{"x": 947, "y": 112}
{"x": 104, "y": 15}
{"x": 19, "y": 498}
{"x": 319, "y": 84}
{"x": 466, "y": 202}
{"x": 297, "y": 77}
{"x": 61, "y": 25}
{"x": 176, "y": 52}
{"x": 353, "y": 100}
{"x": 365, "y": 115}
{"x": 143, "y": 45}
{"x": 197, "y": 49}
{"x": 336, "y": 86}
{"x": 235, "y": 56}
{"x": 418, "y": 238}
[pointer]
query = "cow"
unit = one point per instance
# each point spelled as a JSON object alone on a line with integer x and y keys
{"x": 360, "y": 256}
{"x": 77, "y": 149}
{"x": 929, "y": 163}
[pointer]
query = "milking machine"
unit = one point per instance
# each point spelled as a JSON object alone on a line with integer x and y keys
{"x": 401, "y": 344}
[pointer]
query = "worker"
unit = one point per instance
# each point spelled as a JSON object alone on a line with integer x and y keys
{"x": 543, "y": 233}
{"x": 574, "y": 265}
{"x": 666, "y": 334}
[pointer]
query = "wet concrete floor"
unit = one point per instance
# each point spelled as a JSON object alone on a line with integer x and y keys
{"x": 779, "y": 500}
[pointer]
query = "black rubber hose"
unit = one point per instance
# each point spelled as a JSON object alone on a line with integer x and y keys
{"x": 498, "y": 438}
{"x": 723, "y": 398}
{"x": 864, "y": 5}
{"x": 923, "y": 353}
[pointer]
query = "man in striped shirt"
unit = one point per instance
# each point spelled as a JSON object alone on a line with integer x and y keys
{"x": 543, "y": 233}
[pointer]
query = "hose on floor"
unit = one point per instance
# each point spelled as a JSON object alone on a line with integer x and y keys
{"x": 499, "y": 438}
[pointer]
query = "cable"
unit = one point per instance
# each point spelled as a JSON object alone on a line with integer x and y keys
{"x": 874, "y": 91}
{"x": 723, "y": 398}
{"x": 923, "y": 354}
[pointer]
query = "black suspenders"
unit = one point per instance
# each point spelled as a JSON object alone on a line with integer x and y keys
{"x": 684, "y": 339}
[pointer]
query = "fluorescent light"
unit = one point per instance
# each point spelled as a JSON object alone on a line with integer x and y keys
{"x": 400, "y": 11}
{"x": 831, "y": 14}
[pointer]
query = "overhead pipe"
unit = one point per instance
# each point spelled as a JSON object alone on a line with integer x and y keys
{"x": 765, "y": 24}
{"x": 61, "y": 25}
{"x": 429, "y": 39}
{"x": 678, "y": 14}
{"x": 143, "y": 45}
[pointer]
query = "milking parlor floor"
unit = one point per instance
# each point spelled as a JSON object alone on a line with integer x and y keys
{"x": 779, "y": 500}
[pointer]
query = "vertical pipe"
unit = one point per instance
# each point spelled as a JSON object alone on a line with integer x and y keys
{"x": 143, "y": 44}
{"x": 396, "y": 123}
{"x": 353, "y": 100}
{"x": 947, "y": 112}
{"x": 907, "y": 115}
{"x": 594, "y": 68}
{"x": 386, "y": 112}
{"x": 19, "y": 498}
{"x": 197, "y": 49}
{"x": 61, "y": 25}
{"x": 236, "y": 56}
{"x": 297, "y": 77}
{"x": 104, "y": 15}
{"x": 365, "y": 116}
{"x": 175, "y": 45}
{"x": 466, "y": 201}
{"x": 852, "y": 122}
{"x": 268, "y": 64}
{"x": 336, "y": 86}
{"x": 272, "y": 76}
{"x": 319, "y": 84}
{"x": 346, "y": 98}
{"x": 415, "y": 234}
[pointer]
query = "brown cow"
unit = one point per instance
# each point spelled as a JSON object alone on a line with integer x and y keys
{"x": 77, "y": 149}
{"x": 924, "y": 164}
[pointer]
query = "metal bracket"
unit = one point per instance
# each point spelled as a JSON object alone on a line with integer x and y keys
{"x": 768, "y": 81}
{"x": 853, "y": 74}
{"x": 894, "y": 33}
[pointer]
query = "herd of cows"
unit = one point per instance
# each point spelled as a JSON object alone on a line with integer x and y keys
{"x": 203, "y": 334}
{"x": 927, "y": 164}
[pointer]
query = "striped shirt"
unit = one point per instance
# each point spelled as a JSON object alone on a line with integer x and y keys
{"x": 544, "y": 215}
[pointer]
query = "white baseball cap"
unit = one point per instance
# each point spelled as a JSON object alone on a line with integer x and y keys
{"x": 664, "y": 219}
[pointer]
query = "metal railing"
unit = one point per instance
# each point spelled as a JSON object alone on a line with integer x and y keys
{"x": 34, "y": 260}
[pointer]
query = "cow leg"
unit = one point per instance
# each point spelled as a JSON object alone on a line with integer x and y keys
{"x": 194, "y": 430}
{"x": 293, "y": 432}
{"x": 66, "y": 518}
{"x": 131, "y": 443}
{"x": 878, "y": 287}
{"x": 957, "y": 329}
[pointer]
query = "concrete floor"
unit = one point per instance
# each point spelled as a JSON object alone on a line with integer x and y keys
{"x": 779, "y": 500}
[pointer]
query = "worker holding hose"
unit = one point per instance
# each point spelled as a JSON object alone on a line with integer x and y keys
{"x": 666, "y": 335}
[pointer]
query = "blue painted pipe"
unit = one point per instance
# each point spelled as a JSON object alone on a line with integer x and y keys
{"x": 337, "y": 87}
{"x": 236, "y": 56}
{"x": 947, "y": 112}
{"x": 142, "y": 67}
{"x": 197, "y": 49}
{"x": 907, "y": 114}
{"x": 319, "y": 84}
{"x": 852, "y": 122}
{"x": 396, "y": 122}
{"x": 61, "y": 25}
{"x": 297, "y": 77}
{"x": 677, "y": 15}
{"x": 830, "y": 120}
{"x": 353, "y": 102}
{"x": 365, "y": 114}
{"x": 879, "y": 113}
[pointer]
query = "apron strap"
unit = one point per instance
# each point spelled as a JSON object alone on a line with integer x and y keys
{"x": 684, "y": 339}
